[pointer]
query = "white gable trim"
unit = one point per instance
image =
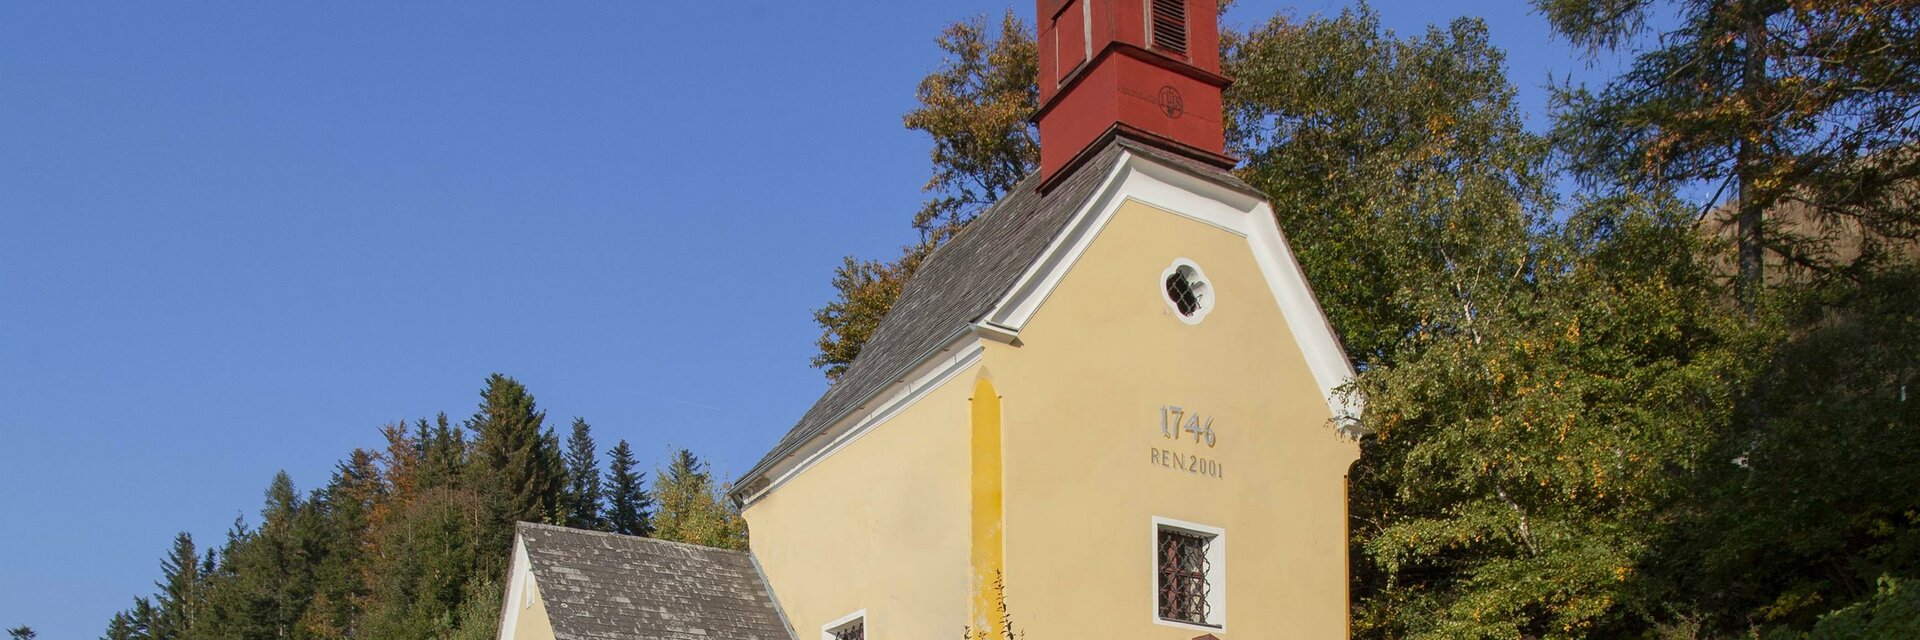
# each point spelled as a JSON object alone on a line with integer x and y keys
{"x": 1182, "y": 193}
{"x": 930, "y": 373}
{"x": 519, "y": 578}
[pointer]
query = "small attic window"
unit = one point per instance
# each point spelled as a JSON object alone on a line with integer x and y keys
{"x": 1169, "y": 25}
{"x": 851, "y": 627}
{"x": 1187, "y": 290}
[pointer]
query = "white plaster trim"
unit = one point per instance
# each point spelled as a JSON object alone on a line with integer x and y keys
{"x": 1205, "y": 295}
{"x": 1216, "y": 578}
{"x": 931, "y": 374}
{"x": 1326, "y": 358}
{"x": 1184, "y": 194}
{"x": 520, "y": 575}
{"x": 1013, "y": 309}
{"x": 826, "y": 630}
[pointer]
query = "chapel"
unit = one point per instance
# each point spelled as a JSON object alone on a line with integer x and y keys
{"x": 1108, "y": 408}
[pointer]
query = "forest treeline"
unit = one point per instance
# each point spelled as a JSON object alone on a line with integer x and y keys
{"x": 411, "y": 540}
{"x": 1648, "y": 373}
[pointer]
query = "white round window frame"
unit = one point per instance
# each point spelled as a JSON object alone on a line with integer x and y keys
{"x": 1205, "y": 288}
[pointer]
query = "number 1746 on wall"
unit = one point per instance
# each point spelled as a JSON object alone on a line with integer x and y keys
{"x": 1176, "y": 422}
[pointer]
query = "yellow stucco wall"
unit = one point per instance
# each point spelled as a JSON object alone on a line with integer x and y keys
{"x": 882, "y": 525}
{"x": 532, "y": 622}
{"x": 1081, "y": 405}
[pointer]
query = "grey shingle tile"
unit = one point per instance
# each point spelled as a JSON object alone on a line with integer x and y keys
{"x": 602, "y": 586}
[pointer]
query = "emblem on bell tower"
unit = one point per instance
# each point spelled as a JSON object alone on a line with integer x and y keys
{"x": 1170, "y": 102}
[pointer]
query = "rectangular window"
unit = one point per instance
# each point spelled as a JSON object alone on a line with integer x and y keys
{"x": 1168, "y": 20}
{"x": 1189, "y": 574}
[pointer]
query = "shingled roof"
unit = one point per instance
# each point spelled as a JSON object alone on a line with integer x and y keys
{"x": 963, "y": 279}
{"x": 602, "y": 586}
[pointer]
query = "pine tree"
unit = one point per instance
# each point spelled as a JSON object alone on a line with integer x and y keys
{"x": 179, "y": 600}
{"x": 21, "y": 632}
{"x": 692, "y": 509}
{"x": 140, "y": 619}
{"x": 120, "y": 627}
{"x": 267, "y": 579}
{"x": 428, "y": 551}
{"x": 345, "y": 509}
{"x": 628, "y": 504}
{"x": 583, "y": 479}
{"x": 515, "y": 463}
{"x": 443, "y": 452}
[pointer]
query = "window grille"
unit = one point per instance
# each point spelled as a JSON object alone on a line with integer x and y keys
{"x": 1170, "y": 26}
{"x": 1183, "y": 291}
{"x": 1183, "y": 577}
{"x": 856, "y": 630}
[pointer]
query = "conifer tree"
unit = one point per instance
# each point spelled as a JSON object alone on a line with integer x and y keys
{"x": 429, "y": 549}
{"x": 442, "y": 450}
{"x": 344, "y": 511}
{"x": 140, "y": 619}
{"x": 179, "y": 600}
{"x": 692, "y": 509}
{"x": 515, "y": 463}
{"x": 628, "y": 504}
{"x": 267, "y": 582}
{"x": 120, "y": 627}
{"x": 21, "y": 632}
{"x": 583, "y": 479}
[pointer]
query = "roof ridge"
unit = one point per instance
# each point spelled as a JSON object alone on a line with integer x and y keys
{"x": 621, "y": 536}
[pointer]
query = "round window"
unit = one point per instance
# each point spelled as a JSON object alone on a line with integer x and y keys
{"x": 1187, "y": 290}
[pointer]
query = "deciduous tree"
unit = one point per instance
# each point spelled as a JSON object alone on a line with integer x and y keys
{"x": 692, "y": 507}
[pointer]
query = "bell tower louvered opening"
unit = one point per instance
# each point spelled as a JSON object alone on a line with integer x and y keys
{"x": 1170, "y": 26}
{"x": 1148, "y": 70}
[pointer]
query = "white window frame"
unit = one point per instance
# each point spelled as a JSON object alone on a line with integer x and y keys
{"x": 1216, "y": 574}
{"x": 1200, "y": 276}
{"x": 826, "y": 630}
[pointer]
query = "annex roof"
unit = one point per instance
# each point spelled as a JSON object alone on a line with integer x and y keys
{"x": 964, "y": 279}
{"x": 602, "y": 586}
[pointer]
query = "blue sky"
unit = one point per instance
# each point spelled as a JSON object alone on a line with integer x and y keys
{"x": 238, "y": 237}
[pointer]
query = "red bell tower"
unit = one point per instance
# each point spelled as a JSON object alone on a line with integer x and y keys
{"x": 1145, "y": 69}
